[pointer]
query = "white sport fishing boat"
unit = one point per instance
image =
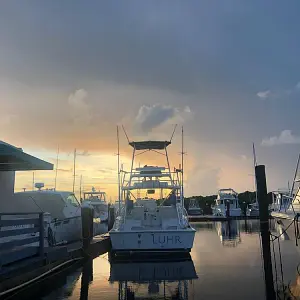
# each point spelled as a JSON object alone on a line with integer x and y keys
{"x": 151, "y": 225}
{"x": 98, "y": 201}
{"x": 225, "y": 197}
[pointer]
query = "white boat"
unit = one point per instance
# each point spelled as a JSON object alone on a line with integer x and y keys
{"x": 98, "y": 201}
{"x": 150, "y": 225}
{"x": 285, "y": 210}
{"x": 194, "y": 208}
{"x": 62, "y": 215}
{"x": 227, "y": 197}
{"x": 252, "y": 210}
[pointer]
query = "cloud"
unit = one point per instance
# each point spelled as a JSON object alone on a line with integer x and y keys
{"x": 83, "y": 153}
{"x": 264, "y": 94}
{"x": 152, "y": 116}
{"x": 285, "y": 137}
{"x": 65, "y": 170}
{"x": 297, "y": 86}
{"x": 243, "y": 157}
{"x": 80, "y": 108}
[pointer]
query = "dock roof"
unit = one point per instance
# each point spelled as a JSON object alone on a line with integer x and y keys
{"x": 14, "y": 159}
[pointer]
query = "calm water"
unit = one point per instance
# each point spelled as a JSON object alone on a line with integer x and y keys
{"x": 225, "y": 264}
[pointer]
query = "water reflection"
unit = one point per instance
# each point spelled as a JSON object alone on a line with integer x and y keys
{"x": 229, "y": 233}
{"x": 159, "y": 279}
{"x": 86, "y": 279}
{"x": 223, "y": 272}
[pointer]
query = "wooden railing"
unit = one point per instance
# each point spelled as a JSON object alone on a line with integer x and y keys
{"x": 19, "y": 243}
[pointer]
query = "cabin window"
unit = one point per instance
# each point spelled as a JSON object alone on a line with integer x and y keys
{"x": 72, "y": 200}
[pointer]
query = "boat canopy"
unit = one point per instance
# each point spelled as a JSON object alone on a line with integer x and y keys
{"x": 150, "y": 145}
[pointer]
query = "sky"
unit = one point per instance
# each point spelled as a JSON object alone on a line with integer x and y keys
{"x": 228, "y": 71}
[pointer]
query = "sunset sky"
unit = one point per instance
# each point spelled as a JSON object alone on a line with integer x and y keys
{"x": 229, "y": 71}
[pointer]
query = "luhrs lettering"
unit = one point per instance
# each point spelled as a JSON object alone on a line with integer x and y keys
{"x": 165, "y": 239}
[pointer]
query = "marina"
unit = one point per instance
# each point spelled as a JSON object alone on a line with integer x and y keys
{"x": 234, "y": 250}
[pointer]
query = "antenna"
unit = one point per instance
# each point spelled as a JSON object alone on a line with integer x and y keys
{"x": 118, "y": 143}
{"x": 74, "y": 170}
{"x": 56, "y": 168}
{"x": 173, "y": 133}
{"x": 182, "y": 153}
{"x": 33, "y": 181}
{"x": 125, "y": 133}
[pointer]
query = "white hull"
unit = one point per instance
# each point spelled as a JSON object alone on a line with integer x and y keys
{"x": 236, "y": 212}
{"x": 159, "y": 240}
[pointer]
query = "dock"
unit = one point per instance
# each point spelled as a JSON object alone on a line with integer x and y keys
{"x": 211, "y": 218}
{"x": 19, "y": 275}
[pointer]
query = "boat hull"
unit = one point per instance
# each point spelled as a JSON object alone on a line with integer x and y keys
{"x": 157, "y": 241}
{"x": 232, "y": 212}
{"x": 252, "y": 213}
{"x": 283, "y": 225}
{"x": 195, "y": 212}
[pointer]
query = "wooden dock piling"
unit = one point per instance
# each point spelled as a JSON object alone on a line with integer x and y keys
{"x": 227, "y": 209}
{"x": 87, "y": 215}
{"x": 111, "y": 217}
{"x": 264, "y": 229}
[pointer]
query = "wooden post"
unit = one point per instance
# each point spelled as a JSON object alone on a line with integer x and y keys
{"x": 41, "y": 225}
{"x": 87, "y": 225}
{"x": 227, "y": 209}
{"x": 111, "y": 217}
{"x": 264, "y": 229}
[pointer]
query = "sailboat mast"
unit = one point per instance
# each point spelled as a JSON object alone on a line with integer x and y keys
{"x": 80, "y": 187}
{"x": 56, "y": 168}
{"x": 118, "y": 143}
{"x": 182, "y": 153}
{"x": 74, "y": 170}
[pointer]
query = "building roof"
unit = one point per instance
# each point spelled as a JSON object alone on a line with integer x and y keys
{"x": 149, "y": 145}
{"x": 14, "y": 159}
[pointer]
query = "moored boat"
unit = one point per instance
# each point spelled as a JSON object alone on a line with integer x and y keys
{"x": 98, "y": 201}
{"x": 227, "y": 200}
{"x": 146, "y": 223}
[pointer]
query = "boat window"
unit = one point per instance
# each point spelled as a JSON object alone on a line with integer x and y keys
{"x": 71, "y": 199}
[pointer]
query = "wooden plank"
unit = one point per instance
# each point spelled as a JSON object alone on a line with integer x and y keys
{"x": 20, "y": 231}
{"x": 16, "y": 255}
{"x": 16, "y": 243}
{"x": 16, "y": 222}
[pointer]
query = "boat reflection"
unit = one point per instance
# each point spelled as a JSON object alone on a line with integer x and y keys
{"x": 148, "y": 279}
{"x": 229, "y": 233}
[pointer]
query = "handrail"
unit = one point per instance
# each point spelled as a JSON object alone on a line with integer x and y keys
{"x": 11, "y": 252}
{"x": 182, "y": 216}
